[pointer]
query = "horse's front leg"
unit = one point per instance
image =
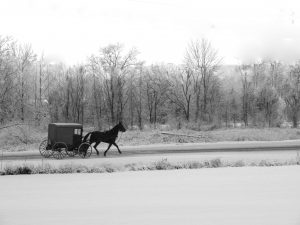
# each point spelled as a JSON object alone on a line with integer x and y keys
{"x": 117, "y": 147}
{"x": 107, "y": 149}
{"x": 95, "y": 147}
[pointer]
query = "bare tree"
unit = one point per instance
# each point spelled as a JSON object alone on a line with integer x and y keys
{"x": 95, "y": 70}
{"x": 40, "y": 84}
{"x": 78, "y": 94}
{"x": 247, "y": 92}
{"x": 267, "y": 102}
{"x": 139, "y": 95}
{"x": 7, "y": 78}
{"x": 202, "y": 59}
{"x": 57, "y": 86}
{"x": 258, "y": 74}
{"x": 276, "y": 76}
{"x": 113, "y": 85}
{"x": 156, "y": 90}
{"x": 115, "y": 67}
{"x": 25, "y": 58}
{"x": 180, "y": 92}
{"x": 292, "y": 93}
{"x": 234, "y": 107}
{"x": 215, "y": 98}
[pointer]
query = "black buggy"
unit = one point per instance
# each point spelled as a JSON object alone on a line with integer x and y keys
{"x": 65, "y": 139}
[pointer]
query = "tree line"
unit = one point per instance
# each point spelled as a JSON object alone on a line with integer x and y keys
{"x": 114, "y": 85}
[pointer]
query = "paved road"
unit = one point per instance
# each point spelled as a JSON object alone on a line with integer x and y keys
{"x": 164, "y": 149}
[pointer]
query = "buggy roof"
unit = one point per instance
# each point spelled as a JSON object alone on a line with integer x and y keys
{"x": 74, "y": 125}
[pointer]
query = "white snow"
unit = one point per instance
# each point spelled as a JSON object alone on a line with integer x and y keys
{"x": 248, "y": 195}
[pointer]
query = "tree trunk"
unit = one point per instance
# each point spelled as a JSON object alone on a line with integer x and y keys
{"x": 140, "y": 103}
{"x": 22, "y": 98}
{"x": 112, "y": 99}
{"x": 295, "y": 119}
{"x": 188, "y": 109}
{"x": 197, "y": 107}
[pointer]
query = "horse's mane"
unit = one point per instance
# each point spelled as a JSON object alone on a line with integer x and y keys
{"x": 111, "y": 131}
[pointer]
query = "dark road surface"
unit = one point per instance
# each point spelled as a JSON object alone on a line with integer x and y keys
{"x": 157, "y": 149}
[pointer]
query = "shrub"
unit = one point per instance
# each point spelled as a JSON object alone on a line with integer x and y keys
{"x": 109, "y": 169}
{"x": 163, "y": 165}
{"x": 9, "y": 171}
{"x": 97, "y": 170}
{"x": 68, "y": 168}
{"x": 192, "y": 165}
{"x": 23, "y": 170}
{"x": 239, "y": 163}
{"x": 241, "y": 139}
{"x": 271, "y": 163}
{"x": 81, "y": 169}
{"x": 263, "y": 163}
{"x": 298, "y": 159}
{"x": 181, "y": 140}
{"x": 135, "y": 167}
{"x": 44, "y": 169}
{"x": 215, "y": 163}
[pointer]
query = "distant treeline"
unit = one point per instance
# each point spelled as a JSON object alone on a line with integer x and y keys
{"x": 114, "y": 85}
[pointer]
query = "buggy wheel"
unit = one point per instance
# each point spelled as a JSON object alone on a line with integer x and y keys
{"x": 47, "y": 153}
{"x": 85, "y": 150}
{"x": 59, "y": 150}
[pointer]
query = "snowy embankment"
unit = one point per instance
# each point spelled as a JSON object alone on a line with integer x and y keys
{"x": 116, "y": 163}
{"x": 248, "y": 195}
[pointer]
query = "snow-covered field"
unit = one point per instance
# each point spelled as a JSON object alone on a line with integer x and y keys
{"x": 248, "y": 195}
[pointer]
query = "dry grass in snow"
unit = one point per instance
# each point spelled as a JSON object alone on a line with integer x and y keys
{"x": 163, "y": 164}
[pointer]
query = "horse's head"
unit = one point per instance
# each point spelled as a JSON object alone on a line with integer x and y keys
{"x": 121, "y": 127}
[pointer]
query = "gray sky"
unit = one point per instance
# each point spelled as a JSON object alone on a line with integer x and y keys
{"x": 242, "y": 31}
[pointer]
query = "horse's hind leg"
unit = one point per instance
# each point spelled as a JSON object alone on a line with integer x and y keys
{"x": 95, "y": 147}
{"x": 117, "y": 148}
{"x": 107, "y": 149}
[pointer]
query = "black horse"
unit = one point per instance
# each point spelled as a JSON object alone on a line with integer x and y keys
{"x": 109, "y": 137}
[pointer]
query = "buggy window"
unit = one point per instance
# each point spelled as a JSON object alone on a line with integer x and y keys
{"x": 77, "y": 131}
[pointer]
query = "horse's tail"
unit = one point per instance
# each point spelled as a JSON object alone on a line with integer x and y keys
{"x": 86, "y": 136}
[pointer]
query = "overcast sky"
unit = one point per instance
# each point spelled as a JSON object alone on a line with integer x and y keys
{"x": 70, "y": 31}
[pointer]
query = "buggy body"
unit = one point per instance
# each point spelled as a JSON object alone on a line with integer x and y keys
{"x": 64, "y": 139}
{"x": 68, "y": 133}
